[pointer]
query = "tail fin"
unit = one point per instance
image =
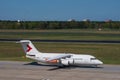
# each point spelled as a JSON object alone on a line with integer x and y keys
{"x": 28, "y": 47}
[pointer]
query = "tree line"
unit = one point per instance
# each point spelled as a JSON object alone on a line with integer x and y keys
{"x": 59, "y": 25}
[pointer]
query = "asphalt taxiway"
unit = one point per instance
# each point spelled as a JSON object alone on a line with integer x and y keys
{"x": 12, "y": 70}
{"x": 73, "y": 41}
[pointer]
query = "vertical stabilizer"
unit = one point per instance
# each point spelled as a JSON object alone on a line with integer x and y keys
{"x": 28, "y": 47}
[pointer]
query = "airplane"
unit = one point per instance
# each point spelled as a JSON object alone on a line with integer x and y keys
{"x": 58, "y": 59}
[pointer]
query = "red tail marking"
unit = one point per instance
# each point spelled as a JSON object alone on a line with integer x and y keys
{"x": 28, "y": 48}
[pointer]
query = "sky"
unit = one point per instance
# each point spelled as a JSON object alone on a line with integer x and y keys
{"x": 59, "y": 10}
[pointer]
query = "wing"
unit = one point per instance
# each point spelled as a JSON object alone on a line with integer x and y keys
{"x": 59, "y": 57}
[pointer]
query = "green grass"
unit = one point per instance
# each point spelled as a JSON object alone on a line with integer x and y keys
{"x": 70, "y": 34}
{"x": 108, "y": 53}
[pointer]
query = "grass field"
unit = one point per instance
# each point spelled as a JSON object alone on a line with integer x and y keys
{"x": 74, "y": 34}
{"x": 108, "y": 53}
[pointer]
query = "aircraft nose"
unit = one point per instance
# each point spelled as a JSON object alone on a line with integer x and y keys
{"x": 100, "y": 62}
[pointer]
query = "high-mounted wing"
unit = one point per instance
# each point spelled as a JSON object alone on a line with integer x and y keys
{"x": 59, "y": 57}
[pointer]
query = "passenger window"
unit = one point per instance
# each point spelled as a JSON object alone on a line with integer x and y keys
{"x": 92, "y": 58}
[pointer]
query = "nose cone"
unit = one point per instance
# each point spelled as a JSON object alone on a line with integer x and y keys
{"x": 100, "y": 62}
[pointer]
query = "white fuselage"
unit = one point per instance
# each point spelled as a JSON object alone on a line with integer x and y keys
{"x": 74, "y": 59}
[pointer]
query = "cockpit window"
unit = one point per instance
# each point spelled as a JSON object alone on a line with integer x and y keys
{"x": 92, "y": 58}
